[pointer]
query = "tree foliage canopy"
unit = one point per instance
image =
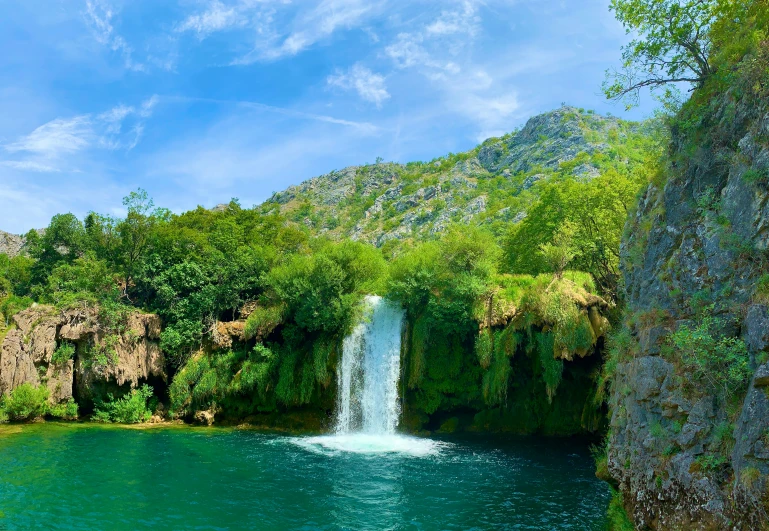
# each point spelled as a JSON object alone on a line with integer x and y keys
{"x": 673, "y": 45}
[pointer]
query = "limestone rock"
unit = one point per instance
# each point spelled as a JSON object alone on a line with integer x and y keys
{"x": 684, "y": 250}
{"x": 10, "y": 244}
{"x": 205, "y": 417}
{"x": 225, "y": 332}
{"x": 26, "y": 355}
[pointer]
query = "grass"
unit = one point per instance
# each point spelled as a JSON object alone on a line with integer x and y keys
{"x": 617, "y": 517}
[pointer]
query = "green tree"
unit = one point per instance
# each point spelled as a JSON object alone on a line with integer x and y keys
{"x": 135, "y": 230}
{"x": 597, "y": 211}
{"x": 559, "y": 252}
{"x": 63, "y": 241}
{"x": 674, "y": 45}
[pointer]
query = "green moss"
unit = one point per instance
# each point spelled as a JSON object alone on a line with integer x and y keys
{"x": 484, "y": 348}
{"x": 617, "y": 517}
{"x": 263, "y": 320}
{"x": 419, "y": 338}
{"x": 552, "y": 368}
{"x": 450, "y": 426}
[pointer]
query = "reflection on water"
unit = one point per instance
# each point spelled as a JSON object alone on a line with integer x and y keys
{"x": 64, "y": 477}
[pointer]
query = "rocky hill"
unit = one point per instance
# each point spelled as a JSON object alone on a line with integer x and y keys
{"x": 492, "y": 184}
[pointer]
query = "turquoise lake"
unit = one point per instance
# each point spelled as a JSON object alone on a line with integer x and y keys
{"x": 60, "y": 476}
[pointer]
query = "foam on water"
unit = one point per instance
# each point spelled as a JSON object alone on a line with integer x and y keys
{"x": 370, "y": 444}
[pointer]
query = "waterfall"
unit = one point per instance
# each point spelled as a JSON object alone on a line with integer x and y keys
{"x": 368, "y": 406}
{"x": 369, "y": 371}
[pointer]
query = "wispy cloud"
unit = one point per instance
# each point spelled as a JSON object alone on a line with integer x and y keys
{"x": 457, "y": 21}
{"x": 47, "y": 146}
{"x": 433, "y": 46}
{"x": 408, "y": 51}
{"x": 231, "y": 154}
{"x": 360, "y": 127}
{"x": 312, "y": 26}
{"x": 28, "y": 165}
{"x": 369, "y": 86}
{"x": 216, "y": 16}
{"x": 98, "y": 15}
{"x": 56, "y": 137}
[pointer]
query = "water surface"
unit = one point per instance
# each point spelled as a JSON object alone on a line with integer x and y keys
{"x": 64, "y": 476}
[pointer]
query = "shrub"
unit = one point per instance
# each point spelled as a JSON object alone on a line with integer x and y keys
{"x": 26, "y": 402}
{"x": 12, "y": 305}
{"x": 761, "y": 291}
{"x": 721, "y": 363}
{"x": 130, "y": 409}
{"x": 708, "y": 463}
{"x": 63, "y": 354}
{"x": 66, "y": 411}
{"x": 600, "y": 456}
{"x": 754, "y": 176}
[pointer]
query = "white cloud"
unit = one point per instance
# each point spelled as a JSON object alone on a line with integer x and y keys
{"x": 28, "y": 165}
{"x": 369, "y": 86}
{"x": 216, "y": 17}
{"x": 116, "y": 114}
{"x": 434, "y": 46}
{"x": 56, "y": 137}
{"x": 312, "y": 26}
{"x": 99, "y": 16}
{"x": 48, "y": 146}
{"x": 408, "y": 52}
{"x": 464, "y": 20}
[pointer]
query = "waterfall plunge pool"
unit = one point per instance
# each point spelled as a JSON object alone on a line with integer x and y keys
{"x": 363, "y": 476}
{"x": 86, "y": 477}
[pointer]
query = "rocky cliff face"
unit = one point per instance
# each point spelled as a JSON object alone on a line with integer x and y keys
{"x": 683, "y": 456}
{"x": 32, "y": 352}
{"x": 10, "y": 244}
{"x": 492, "y": 184}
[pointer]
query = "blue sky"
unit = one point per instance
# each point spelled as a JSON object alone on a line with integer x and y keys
{"x": 199, "y": 101}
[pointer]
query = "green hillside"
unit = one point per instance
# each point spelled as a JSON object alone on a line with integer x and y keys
{"x": 493, "y": 185}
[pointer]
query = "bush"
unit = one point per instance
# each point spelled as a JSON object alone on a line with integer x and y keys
{"x": 63, "y": 354}
{"x": 12, "y": 305}
{"x": 130, "y": 409}
{"x": 721, "y": 363}
{"x": 66, "y": 411}
{"x": 26, "y": 402}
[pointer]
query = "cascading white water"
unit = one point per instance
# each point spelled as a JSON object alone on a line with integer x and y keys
{"x": 369, "y": 372}
{"x": 368, "y": 406}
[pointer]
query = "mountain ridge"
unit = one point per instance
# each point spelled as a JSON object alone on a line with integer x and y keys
{"x": 492, "y": 184}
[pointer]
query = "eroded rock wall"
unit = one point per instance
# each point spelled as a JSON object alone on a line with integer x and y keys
{"x": 28, "y": 352}
{"x": 698, "y": 243}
